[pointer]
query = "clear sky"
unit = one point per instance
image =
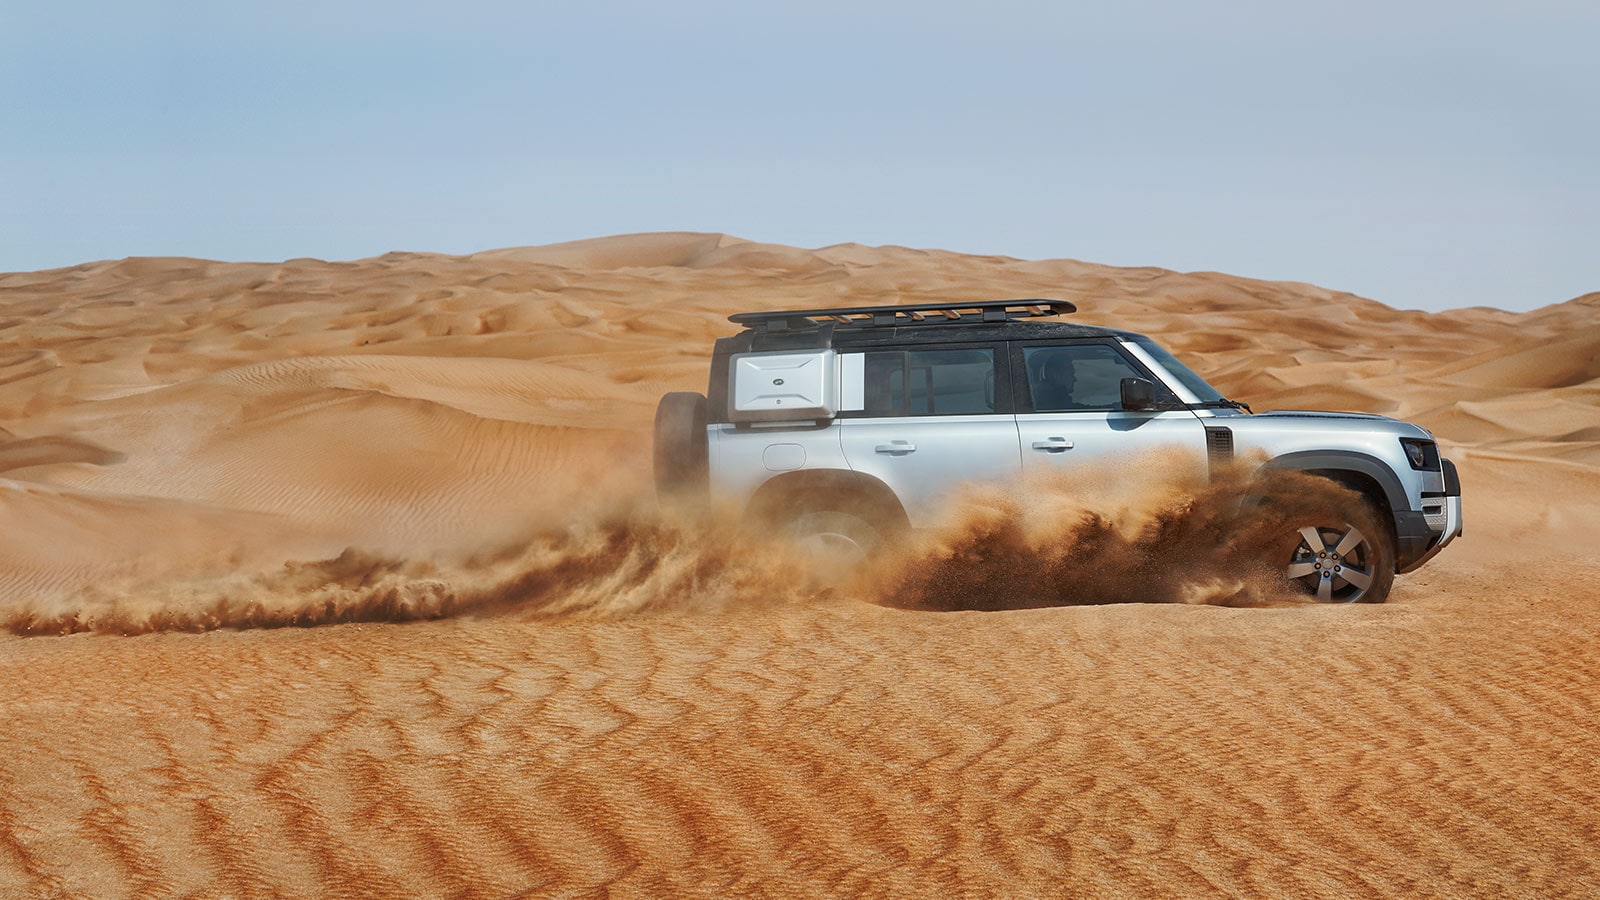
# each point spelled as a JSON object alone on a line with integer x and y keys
{"x": 1429, "y": 155}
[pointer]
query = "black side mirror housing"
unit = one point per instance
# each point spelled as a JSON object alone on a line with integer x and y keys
{"x": 1138, "y": 394}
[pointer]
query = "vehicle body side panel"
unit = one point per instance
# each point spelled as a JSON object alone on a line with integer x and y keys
{"x": 925, "y": 458}
{"x": 1175, "y": 437}
{"x": 1373, "y": 451}
{"x": 744, "y": 458}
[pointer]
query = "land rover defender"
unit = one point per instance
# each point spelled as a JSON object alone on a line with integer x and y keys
{"x": 849, "y": 425}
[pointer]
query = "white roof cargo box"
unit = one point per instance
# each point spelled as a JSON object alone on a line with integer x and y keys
{"x": 771, "y": 387}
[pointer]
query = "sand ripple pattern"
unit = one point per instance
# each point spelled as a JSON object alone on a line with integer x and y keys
{"x": 823, "y": 750}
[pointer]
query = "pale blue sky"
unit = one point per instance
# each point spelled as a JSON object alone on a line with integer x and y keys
{"x": 1428, "y": 155}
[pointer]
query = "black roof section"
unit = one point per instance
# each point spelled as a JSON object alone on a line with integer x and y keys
{"x": 975, "y": 312}
{"x": 924, "y": 323}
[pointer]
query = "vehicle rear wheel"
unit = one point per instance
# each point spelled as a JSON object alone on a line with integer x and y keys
{"x": 1342, "y": 556}
{"x": 838, "y": 541}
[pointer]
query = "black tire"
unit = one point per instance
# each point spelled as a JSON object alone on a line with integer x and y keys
{"x": 682, "y": 463}
{"x": 1343, "y": 554}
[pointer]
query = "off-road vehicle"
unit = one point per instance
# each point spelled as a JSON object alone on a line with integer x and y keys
{"x": 852, "y": 424}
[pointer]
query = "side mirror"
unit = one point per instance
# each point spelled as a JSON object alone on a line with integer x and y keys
{"x": 1138, "y": 393}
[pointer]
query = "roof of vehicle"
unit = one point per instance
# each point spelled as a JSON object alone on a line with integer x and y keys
{"x": 927, "y": 323}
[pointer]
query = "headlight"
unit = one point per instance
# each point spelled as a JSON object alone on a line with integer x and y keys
{"x": 1423, "y": 455}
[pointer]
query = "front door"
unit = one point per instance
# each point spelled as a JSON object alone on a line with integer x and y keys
{"x": 1070, "y": 410}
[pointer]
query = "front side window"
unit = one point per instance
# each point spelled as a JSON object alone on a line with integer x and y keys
{"x": 930, "y": 382}
{"x": 1084, "y": 377}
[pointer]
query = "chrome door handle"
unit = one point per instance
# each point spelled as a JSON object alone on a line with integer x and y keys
{"x": 896, "y": 447}
{"x": 1053, "y": 445}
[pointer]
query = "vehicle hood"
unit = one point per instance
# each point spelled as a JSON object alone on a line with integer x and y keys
{"x": 1319, "y": 414}
{"x": 1312, "y": 420}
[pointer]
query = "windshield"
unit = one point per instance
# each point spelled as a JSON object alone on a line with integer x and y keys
{"x": 1186, "y": 376}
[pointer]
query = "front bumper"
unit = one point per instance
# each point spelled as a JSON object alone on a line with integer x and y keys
{"x": 1445, "y": 519}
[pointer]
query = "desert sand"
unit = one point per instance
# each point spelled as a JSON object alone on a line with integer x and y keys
{"x": 516, "y": 678}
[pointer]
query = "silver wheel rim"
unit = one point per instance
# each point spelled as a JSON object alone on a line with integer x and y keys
{"x": 1336, "y": 565}
{"x": 831, "y": 556}
{"x": 832, "y": 543}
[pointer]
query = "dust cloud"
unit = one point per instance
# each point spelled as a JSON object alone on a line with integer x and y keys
{"x": 996, "y": 547}
{"x": 1222, "y": 543}
{"x": 629, "y": 561}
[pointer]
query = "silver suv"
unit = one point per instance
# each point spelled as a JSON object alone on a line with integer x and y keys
{"x": 852, "y": 424}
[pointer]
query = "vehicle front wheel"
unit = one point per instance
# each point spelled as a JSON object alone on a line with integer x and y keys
{"x": 1342, "y": 557}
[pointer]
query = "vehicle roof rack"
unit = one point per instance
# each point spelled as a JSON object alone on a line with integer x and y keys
{"x": 973, "y": 312}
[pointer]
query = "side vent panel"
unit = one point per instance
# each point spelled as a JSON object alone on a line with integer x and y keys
{"x": 1219, "y": 446}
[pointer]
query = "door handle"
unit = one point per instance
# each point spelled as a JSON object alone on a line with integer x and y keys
{"x": 896, "y": 447}
{"x": 1053, "y": 445}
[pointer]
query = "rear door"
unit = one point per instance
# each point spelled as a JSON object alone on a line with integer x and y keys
{"x": 932, "y": 419}
{"x": 1070, "y": 408}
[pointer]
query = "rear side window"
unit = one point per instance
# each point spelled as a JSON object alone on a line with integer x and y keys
{"x": 930, "y": 382}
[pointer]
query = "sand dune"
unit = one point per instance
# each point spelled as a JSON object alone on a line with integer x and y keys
{"x": 543, "y": 686}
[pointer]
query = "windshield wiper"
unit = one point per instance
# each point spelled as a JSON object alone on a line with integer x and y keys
{"x": 1221, "y": 404}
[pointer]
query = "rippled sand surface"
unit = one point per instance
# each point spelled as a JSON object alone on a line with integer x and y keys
{"x": 598, "y": 701}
